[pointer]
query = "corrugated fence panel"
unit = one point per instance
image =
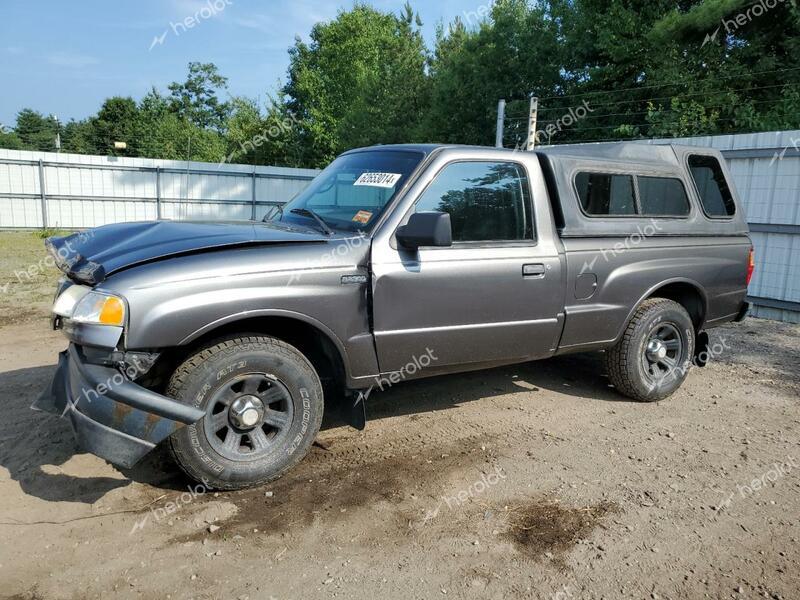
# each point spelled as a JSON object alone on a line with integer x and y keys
{"x": 88, "y": 191}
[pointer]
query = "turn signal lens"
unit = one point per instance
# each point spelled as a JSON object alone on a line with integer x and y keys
{"x": 113, "y": 312}
{"x": 751, "y": 265}
{"x": 100, "y": 309}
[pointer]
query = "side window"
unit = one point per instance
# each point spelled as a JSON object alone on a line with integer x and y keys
{"x": 606, "y": 194}
{"x": 487, "y": 201}
{"x": 663, "y": 197}
{"x": 713, "y": 189}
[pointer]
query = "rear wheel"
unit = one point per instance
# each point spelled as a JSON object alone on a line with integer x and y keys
{"x": 263, "y": 403}
{"x": 652, "y": 359}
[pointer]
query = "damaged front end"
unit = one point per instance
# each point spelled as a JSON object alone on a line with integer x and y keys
{"x": 112, "y": 416}
{"x": 96, "y": 384}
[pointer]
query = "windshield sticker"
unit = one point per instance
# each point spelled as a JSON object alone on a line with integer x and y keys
{"x": 363, "y": 217}
{"x": 381, "y": 180}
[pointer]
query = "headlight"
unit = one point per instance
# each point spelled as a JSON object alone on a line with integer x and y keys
{"x": 68, "y": 299}
{"x": 101, "y": 309}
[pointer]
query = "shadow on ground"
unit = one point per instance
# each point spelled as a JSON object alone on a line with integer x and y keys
{"x": 34, "y": 445}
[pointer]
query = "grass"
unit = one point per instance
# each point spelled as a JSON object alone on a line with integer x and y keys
{"x": 27, "y": 277}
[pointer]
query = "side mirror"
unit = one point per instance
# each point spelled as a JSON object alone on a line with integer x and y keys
{"x": 426, "y": 229}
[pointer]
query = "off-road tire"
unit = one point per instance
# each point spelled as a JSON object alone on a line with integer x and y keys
{"x": 199, "y": 379}
{"x": 627, "y": 361}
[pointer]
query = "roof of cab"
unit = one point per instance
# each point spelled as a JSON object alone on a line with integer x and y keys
{"x": 627, "y": 151}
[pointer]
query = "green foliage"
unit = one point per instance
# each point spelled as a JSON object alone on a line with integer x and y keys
{"x": 360, "y": 81}
{"x": 35, "y": 131}
{"x": 642, "y": 68}
{"x": 9, "y": 139}
{"x": 196, "y": 101}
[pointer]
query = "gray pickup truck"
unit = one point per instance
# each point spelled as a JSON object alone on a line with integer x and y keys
{"x": 229, "y": 340}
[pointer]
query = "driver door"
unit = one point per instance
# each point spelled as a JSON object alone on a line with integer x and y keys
{"x": 494, "y": 296}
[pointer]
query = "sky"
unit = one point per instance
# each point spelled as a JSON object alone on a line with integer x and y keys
{"x": 65, "y": 57}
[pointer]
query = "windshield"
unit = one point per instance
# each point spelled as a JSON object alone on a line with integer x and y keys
{"x": 354, "y": 190}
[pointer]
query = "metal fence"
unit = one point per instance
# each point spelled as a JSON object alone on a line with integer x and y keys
{"x": 71, "y": 191}
{"x": 766, "y": 169}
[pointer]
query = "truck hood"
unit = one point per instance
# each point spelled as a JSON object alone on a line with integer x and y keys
{"x": 92, "y": 255}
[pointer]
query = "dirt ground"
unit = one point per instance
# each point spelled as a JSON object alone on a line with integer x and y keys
{"x": 534, "y": 481}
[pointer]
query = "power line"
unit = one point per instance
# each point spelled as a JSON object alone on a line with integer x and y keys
{"x": 680, "y": 96}
{"x": 638, "y": 113}
{"x": 674, "y": 83}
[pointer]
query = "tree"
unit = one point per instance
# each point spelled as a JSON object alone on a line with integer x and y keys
{"x": 79, "y": 137}
{"x": 35, "y": 131}
{"x": 117, "y": 121}
{"x": 512, "y": 54}
{"x": 360, "y": 81}
{"x": 196, "y": 98}
{"x": 10, "y": 140}
{"x": 267, "y": 137}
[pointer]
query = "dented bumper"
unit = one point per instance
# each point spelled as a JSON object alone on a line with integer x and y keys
{"x": 112, "y": 417}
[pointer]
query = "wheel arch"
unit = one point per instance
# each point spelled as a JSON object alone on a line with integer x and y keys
{"x": 320, "y": 345}
{"x": 686, "y": 292}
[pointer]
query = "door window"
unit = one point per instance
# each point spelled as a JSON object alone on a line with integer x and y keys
{"x": 487, "y": 201}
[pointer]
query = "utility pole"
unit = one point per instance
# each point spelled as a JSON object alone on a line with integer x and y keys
{"x": 58, "y": 135}
{"x": 501, "y": 121}
{"x": 533, "y": 117}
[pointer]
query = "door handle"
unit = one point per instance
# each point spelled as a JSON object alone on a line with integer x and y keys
{"x": 533, "y": 271}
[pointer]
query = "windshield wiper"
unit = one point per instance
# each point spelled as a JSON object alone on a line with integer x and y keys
{"x": 279, "y": 208}
{"x": 307, "y": 212}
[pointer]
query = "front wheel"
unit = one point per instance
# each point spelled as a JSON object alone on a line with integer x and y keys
{"x": 263, "y": 402}
{"x": 653, "y": 358}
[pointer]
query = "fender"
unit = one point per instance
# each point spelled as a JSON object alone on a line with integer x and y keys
{"x": 694, "y": 284}
{"x": 241, "y": 316}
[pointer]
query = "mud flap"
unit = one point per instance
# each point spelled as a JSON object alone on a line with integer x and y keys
{"x": 354, "y": 409}
{"x": 701, "y": 349}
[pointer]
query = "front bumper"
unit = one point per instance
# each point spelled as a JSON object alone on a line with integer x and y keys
{"x": 112, "y": 417}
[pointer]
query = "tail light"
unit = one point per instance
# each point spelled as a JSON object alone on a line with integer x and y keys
{"x": 751, "y": 265}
